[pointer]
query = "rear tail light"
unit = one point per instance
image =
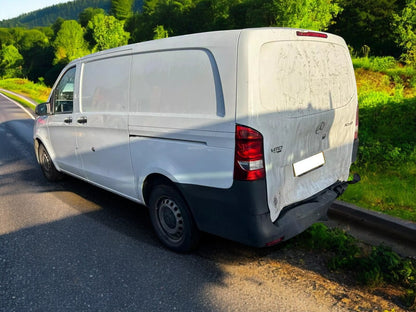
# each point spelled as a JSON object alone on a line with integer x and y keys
{"x": 356, "y": 124}
{"x": 311, "y": 34}
{"x": 249, "y": 157}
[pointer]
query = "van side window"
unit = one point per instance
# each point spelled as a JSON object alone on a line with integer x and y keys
{"x": 63, "y": 96}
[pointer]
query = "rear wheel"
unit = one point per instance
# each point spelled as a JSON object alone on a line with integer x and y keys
{"x": 47, "y": 166}
{"x": 172, "y": 220}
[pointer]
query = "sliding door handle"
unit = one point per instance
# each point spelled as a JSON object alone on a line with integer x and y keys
{"x": 82, "y": 120}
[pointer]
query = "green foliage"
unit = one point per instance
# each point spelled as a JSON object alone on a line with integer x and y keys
{"x": 378, "y": 64}
{"x": 405, "y": 29}
{"x": 87, "y": 15}
{"x": 387, "y": 153}
{"x": 368, "y": 23}
{"x": 11, "y": 62}
{"x": 69, "y": 43}
{"x": 31, "y": 38}
{"x": 387, "y": 129}
{"x": 69, "y": 10}
{"x": 160, "y": 32}
{"x": 321, "y": 238}
{"x": 373, "y": 268}
{"x": 309, "y": 14}
{"x": 36, "y": 91}
{"x": 107, "y": 32}
{"x": 121, "y": 9}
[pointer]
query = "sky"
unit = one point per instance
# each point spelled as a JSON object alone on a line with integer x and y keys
{"x": 13, "y": 8}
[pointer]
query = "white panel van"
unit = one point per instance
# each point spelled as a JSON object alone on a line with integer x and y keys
{"x": 246, "y": 134}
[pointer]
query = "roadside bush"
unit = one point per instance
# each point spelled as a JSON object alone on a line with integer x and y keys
{"x": 378, "y": 64}
{"x": 373, "y": 268}
{"x": 387, "y": 130}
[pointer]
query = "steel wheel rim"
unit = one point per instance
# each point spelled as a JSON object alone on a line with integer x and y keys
{"x": 46, "y": 162}
{"x": 170, "y": 219}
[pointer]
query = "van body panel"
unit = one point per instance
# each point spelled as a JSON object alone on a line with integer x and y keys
{"x": 193, "y": 139}
{"x": 300, "y": 93}
{"x": 192, "y": 157}
{"x": 101, "y": 125}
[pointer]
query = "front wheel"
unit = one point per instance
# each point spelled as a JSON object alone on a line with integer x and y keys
{"x": 47, "y": 166}
{"x": 172, "y": 220}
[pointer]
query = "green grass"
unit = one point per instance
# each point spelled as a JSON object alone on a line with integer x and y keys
{"x": 373, "y": 267}
{"x": 387, "y": 152}
{"x": 35, "y": 91}
{"x": 388, "y": 191}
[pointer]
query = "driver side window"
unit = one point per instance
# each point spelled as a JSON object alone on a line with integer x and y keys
{"x": 63, "y": 96}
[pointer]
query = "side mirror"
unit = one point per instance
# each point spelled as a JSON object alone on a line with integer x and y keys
{"x": 42, "y": 109}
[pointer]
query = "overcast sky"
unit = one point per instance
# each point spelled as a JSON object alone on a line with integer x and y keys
{"x": 13, "y": 8}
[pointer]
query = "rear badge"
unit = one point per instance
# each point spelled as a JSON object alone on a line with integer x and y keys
{"x": 320, "y": 128}
{"x": 277, "y": 149}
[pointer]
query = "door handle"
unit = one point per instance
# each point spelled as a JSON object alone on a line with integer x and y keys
{"x": 82, "y": 120}
{"x": 68, "y": 120}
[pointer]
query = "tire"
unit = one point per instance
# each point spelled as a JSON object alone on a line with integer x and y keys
{"x": 172, "y": 220}
{"x": 47, "y": 166}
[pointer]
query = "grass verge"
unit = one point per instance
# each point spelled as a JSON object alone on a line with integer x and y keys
{"x": 387, "y": 151}
{"x": 371, "y": 266}
{"x": 35, "y": 91}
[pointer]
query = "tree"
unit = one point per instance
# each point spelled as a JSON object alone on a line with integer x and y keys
{"x": 69, "y": 43}
{"x": 309, "y": 14}
{"x": 368, "y": 23}
{"x": 31, "y": 38}
{"x": 5, "y": 37}
{"x": 87, "y": 15}
{"x": 11, "y": 62}
{"x": 160, "y": 32}
{"x": 121, "y": 9}
{"x": 405, "y": 29}
{"x": 107, "y": 32}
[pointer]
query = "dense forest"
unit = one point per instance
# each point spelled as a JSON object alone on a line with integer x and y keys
{"x": 371, "y": 28}
{"x": 68, "y": 10}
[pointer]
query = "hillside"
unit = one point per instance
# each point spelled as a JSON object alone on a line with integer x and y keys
{"x": 68, "y": 10}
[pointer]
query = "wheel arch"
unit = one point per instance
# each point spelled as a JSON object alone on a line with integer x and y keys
{"x": 153, "y": 180}
{"x": 37, "y": 143}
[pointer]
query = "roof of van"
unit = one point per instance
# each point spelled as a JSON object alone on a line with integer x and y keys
{"x": 201, "y": 40}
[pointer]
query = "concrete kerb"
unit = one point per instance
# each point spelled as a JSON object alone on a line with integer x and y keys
{"x": 402, "y": 229}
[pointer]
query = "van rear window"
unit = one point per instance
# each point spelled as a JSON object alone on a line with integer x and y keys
{"x": 306, "y": 77}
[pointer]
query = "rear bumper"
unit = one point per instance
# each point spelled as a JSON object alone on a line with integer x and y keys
{"x": 355, "y": 150}
{"x": 241, "y": 212}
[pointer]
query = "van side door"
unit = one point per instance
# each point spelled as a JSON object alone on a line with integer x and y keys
{"x": 60, "y": 123}
{"x": 101, "y": 124}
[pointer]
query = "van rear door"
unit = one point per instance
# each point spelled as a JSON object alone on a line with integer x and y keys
{"x": 301, "y": 96}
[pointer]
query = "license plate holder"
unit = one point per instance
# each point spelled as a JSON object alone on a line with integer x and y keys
{"x": 308, "y": 164}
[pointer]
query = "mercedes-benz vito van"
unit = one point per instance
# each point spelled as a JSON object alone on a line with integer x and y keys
{"x": 246, "y": 134}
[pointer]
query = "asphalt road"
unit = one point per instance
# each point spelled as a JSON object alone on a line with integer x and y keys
{"x": 70, "y": 246}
